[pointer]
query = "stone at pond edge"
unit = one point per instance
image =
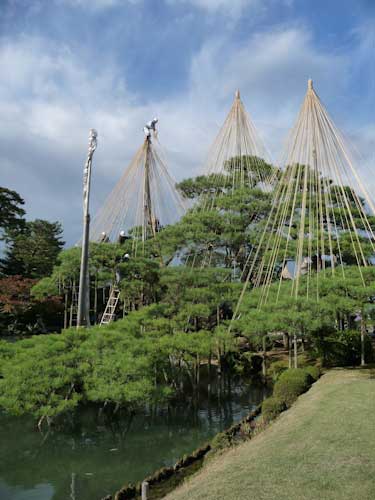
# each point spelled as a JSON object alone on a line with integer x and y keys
{"x": 126, "y": 493}
{"x": 131, "y": 491}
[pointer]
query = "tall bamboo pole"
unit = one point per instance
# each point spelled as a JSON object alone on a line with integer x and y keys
{"x": 83, "y": 316}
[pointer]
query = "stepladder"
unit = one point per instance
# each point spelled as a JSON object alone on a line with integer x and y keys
{"x": 109, "y": 314}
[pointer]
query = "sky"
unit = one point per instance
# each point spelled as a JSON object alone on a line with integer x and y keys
{"x": 70, "y": 65}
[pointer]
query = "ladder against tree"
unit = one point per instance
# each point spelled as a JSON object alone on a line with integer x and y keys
{"x": 110, "y": 309}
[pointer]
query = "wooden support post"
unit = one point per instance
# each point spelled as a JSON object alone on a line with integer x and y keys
{"x": 66, "y": 310}
{"x": 264, "y": 366}
{"x": 363, "y": 332}
{"x": 83, "y": 313}
{"x": 289, "y": 351}
{"x": 295, "y": 351}
{"x": 73, "y": 487}
{"x": 145, "y": 490}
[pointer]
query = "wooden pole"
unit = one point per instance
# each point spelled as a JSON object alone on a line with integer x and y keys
{"x": 72, "y": 299}
{"x": 295, "y": 351}
{"x": 289, "y": 351}
{"x": 149, "y": 219}
{"x": 83, "y": 315}
{"x": 145, "y": 490}
{"x": 264, "y": 367}
{"x": 66, "y": 310}
{"x": 363, "y": 333}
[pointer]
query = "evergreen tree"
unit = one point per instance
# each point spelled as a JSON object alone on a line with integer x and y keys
{"x": 32, "y": 252}
{"x": 11, "y": 212}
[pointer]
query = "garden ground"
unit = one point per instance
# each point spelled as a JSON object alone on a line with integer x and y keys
{"x": 323, "y": 447}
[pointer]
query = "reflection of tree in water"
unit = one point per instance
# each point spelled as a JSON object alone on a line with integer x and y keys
{"x": 92, "y": 455}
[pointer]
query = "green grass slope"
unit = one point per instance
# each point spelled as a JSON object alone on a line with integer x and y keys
{"x": 322, "y": 448}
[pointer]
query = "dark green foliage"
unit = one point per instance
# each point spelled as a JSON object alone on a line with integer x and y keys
{"x": 219, "y": 230}
{"x": 32, "y": 252}
{"x": 272, "y": 407}
{"x": 277, "y": 368}
{"x": 11, "y": 212}
{"x": 343, "y": 348}
{"x": 203, "y": 185}
{"x": 327, "y": 326}
{"x": 253, "y": 168}
{"x": 130, "y": 363}
{"x": 42, "y": 376}
{"x": 291, "y": 384}
{"x": 313, "y": 371}
{"x": 220, "y": 441}
{"x": 140, "y": 282}
{"x": 48, "y": 375}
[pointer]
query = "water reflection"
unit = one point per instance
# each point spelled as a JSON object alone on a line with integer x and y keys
{"x": 88, "y": 455}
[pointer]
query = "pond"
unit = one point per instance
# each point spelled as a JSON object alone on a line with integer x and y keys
{"x": 87, "y": 457}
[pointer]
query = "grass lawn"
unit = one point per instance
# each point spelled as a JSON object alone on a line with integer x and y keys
{"x": 322, "y": 448}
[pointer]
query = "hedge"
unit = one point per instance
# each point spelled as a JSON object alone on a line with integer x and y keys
{"x": 290, "y": 384}
{"x": 313, "y": 371}
{"x": 271, "y": 407}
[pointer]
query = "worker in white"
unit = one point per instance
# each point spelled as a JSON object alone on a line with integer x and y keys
{"x": 150, "y": 127}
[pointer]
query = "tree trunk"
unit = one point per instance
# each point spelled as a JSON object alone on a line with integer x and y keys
{"x": 295, "y": 351}
{"x": 264, "y": 367}
{"x": 289, "y": 352}
{"x": 198, "y": 372}
{"x": 72, "y": 304}
{"x": 40, "y": 423}
{"x": 286, "y": 341}
{"x": 209, "y": 372}
{"x": 363, "y": 334}
{"x": 96, "y": 300}
{"x": 219, "y": 367}
{"x": 66, "y": 310}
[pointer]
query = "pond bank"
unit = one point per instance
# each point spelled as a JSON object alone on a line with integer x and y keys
{"x": 168, "y": 478}
{"x": 323, "y": 447}
{"x": 89, "y": 458}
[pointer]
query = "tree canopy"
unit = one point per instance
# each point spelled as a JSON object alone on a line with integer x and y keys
{"x": 11, "y": 212}
{"x": 32, "y": 252}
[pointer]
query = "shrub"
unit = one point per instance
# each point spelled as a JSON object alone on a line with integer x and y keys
{"x": 313, "y": 371}
{"x": 220, "y": 441}
{"x": 272, "y": 407}
{"x": 277, "y": 368}
{"x": 291, "y": 384}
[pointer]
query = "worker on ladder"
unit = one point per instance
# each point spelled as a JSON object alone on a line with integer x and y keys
{"x": 120, "y": 260}
{"x": 109, "y": 314}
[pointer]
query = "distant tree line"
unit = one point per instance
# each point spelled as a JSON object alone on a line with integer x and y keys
{"x": 29, "y": 253}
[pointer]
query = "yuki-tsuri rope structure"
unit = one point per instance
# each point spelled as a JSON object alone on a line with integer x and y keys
{"x": 320, "y": 212}
{"x": 237, "y": 159}
{"x": 143, "y": 201}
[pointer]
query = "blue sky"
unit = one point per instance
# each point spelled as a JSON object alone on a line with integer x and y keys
{"x": 68, "y": 65}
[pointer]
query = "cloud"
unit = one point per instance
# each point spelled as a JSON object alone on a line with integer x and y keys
{"x": 95, "y": 4}
{"x": 271, "y": 69}
{"x": 230, "y": 6}
{"x": 231, "y": 9}
{"x": 52, "y": 96}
